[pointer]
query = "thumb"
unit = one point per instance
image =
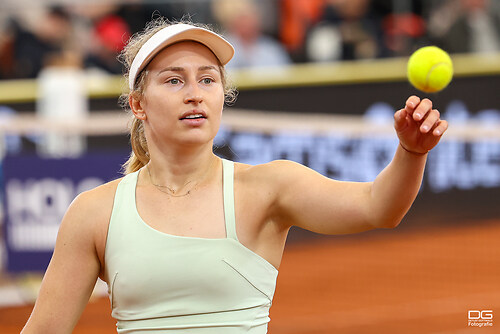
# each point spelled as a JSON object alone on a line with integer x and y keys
{"x": 400, "y": 121}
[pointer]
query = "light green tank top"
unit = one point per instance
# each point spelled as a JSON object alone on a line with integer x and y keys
{"x": 162, "y": 283}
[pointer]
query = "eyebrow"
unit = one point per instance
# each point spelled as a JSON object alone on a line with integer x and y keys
{"x": 182, "y": 69}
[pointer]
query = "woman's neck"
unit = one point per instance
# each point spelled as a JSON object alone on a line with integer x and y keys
{"x": 180, "y": 168}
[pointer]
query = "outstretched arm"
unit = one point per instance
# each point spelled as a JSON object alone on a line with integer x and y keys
{"x": 306, "y": 199}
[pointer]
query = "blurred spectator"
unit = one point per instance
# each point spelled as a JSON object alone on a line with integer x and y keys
{"x": 105, "y": 33}
{"x": 6, "y": 53}
{"x": 242, "y": 22}
{"x": 138, "y": 12}
{"x": 348, "y": 31}
{"x": 297, "y": 17}
{"x": 404, "y": 27}
{"x": 28, "y": 51}
{"x": 466, "y": 26}
{"x": 110, "y": 35}
{"x": 309, "y": 30}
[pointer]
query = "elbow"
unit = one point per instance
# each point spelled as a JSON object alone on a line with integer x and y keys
{"x": 387, "y": 222}
{"x": 391, "y": 223}
{"x": 387, "y": 218}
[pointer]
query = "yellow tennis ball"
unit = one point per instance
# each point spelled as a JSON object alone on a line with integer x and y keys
{"x": 430, "y": 69}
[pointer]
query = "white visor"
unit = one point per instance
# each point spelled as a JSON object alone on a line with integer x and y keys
{"x": 221, "y": 48}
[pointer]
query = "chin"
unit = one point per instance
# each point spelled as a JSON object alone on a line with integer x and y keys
{"x": 197, "y": 139}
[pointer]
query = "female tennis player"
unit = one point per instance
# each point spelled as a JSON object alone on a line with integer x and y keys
{"x": 191, "y": 243}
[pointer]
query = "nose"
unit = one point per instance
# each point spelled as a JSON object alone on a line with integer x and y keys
{"x": 193, "y": 94}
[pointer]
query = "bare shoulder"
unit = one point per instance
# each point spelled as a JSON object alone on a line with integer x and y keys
{"x": 100, "y": 196}
{"x": 97, "y": 201}
{"x": 90, "y": 212}
{"x": 280, "y": 185}
{"x": 268, "y": 181}
{"x": 275, "y": 173}
{"x": 266, "y": 169}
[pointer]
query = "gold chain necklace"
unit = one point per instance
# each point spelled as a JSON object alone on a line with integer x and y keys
{"x": 170, "y": 192}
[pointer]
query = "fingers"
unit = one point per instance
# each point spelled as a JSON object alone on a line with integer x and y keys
{"x": 430, "y": 121}
{"x": 418, "y": 125}
{"x": 412, "y": 102}
{"x": 422, "y": 109}
{"x": 417, "y": 108}
{"x": 441, "y": 127}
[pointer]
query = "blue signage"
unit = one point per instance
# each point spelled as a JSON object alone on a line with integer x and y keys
{"x": 37, "y": 193}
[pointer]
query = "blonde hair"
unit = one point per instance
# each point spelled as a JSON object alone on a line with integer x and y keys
{"x": 139, "y": 156}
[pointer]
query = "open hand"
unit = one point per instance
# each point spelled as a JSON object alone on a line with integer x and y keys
{"x": 418, "y": 126}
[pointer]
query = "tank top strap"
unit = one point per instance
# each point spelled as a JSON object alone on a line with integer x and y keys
{"x": 125, "y": 193}
{"x": 228, "y": 189}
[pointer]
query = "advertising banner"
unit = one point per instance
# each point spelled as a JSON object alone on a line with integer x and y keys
{"x": 37, "y": 193}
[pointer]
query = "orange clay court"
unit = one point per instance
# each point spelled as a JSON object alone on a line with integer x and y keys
{"x": 394, "y": 281}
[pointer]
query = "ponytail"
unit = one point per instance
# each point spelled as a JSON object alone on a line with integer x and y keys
{"x": 140, "y": 154}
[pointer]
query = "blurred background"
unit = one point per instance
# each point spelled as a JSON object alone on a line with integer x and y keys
{"x": 318, "y": 82}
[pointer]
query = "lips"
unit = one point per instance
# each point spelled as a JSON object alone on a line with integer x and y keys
{"x": 193, "y": 115}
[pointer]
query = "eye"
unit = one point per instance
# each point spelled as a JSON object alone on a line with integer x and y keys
{"x": 174, "y": 81}
{"x": 207, "y": 81}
